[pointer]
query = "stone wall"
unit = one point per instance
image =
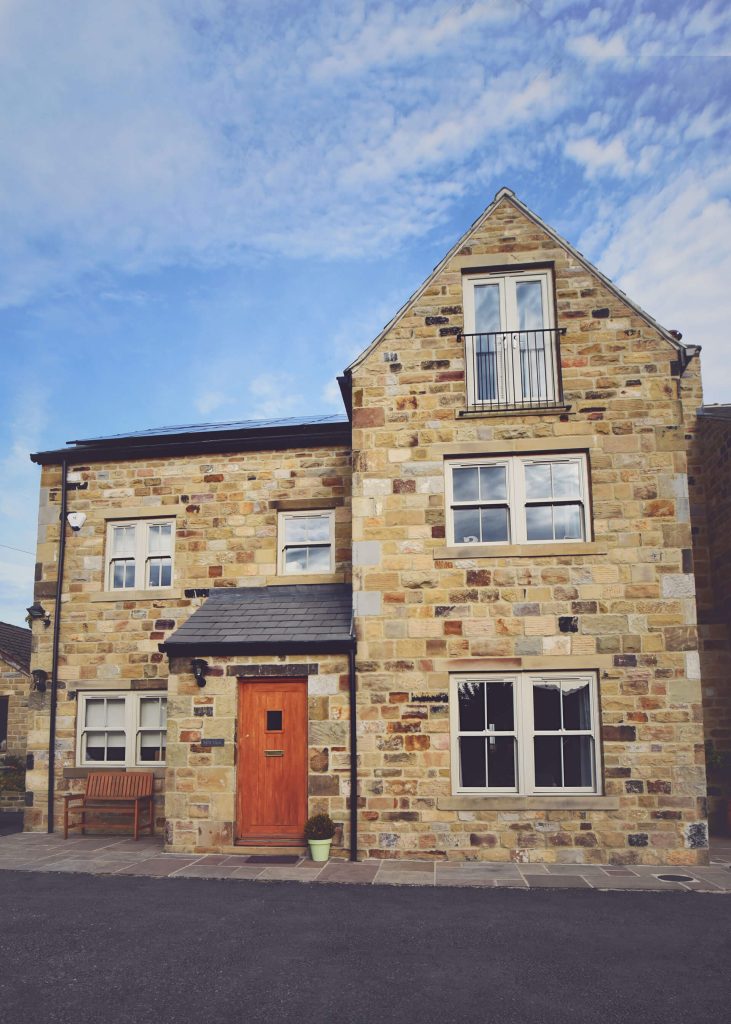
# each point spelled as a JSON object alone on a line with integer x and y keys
{"x": 621, "y": 605}
{"x": 15, "y": 685}
{"x": 225, "y": 510}
{"x": 200, "y": 797}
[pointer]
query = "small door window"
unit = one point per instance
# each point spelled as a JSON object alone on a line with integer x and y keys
{"x": 274, "y": 721}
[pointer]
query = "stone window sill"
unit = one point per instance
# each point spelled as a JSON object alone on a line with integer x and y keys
{"x": 528, "y": 803}
{"x": 520, "y": 550}
{"x": 83, "y": 773}
{"x": 163, "y": 593}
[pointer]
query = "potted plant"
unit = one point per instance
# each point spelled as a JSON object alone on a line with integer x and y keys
{"x": 319, "y": 832}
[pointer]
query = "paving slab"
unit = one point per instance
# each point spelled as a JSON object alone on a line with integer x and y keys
{"x": 212, "y": 871}
{"x": 557, "y": 882}
{"x": 362, "y": 874}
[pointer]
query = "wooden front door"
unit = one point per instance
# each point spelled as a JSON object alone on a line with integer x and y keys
{"x": 271, "y": 784}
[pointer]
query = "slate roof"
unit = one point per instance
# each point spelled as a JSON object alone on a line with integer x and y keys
{"x": 297, "y": 618}
{"x": 215, "y": 428}
{"x": 206, "y": 438}
{"x": 15, "y": 645}
{"x": 715, "y": 412}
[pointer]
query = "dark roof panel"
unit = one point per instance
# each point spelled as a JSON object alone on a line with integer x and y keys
{"x": 15, "y": 645}
{"x": 297, "y": 617}
{"x": 716, "y": 412}
{"x": 217, "y": 428}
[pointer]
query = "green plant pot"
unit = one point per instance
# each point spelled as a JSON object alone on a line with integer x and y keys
{"x": 319, "y": 848}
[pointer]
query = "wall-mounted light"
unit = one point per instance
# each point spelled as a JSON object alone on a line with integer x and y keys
{"x": 36, "y": 613}
{"x": 76, "y": 520}
{"x": 40, "y": 677}
{"x": 200, "y": 667}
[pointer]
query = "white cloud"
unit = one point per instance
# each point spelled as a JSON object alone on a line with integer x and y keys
{"x": 208, "y": 401}
{"x": 591, "y": 47}
{"x": 669, "y": 251}
{"x": 389, "y": 34}
{"x": 600, "y": 157}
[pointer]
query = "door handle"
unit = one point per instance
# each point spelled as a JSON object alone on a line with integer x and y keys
{"x": 273, "y": 753}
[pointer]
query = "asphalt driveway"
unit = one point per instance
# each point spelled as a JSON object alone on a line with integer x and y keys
{"x": 80, "y": 948}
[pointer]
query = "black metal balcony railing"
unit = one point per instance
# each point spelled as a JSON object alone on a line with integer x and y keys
{"x": 513, "y": 369}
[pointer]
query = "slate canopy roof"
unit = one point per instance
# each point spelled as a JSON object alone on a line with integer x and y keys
{"x": 259, "y": 620}
{"x": 15, "y": 645}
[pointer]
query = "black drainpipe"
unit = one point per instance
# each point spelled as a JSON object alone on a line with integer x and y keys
{"x": 54, "y": 660}
{"x": 353, "y": 757}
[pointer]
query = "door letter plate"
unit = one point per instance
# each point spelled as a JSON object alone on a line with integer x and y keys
{"x": 273, "y": 753}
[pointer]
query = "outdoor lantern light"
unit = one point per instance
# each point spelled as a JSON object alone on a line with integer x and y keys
{"x": 39, "y": 679}
{"x": 200, "y": 667}
{"x": 37, "y": 611}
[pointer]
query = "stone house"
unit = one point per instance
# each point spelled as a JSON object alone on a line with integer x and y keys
{"x": 15, "y": 645}
{"x": 14, "y": 686}
{"x": 710, "y": 475}
{"x": 473, "y": 598}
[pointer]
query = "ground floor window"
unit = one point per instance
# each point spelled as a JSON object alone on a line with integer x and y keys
{"x": 525, "y": 733}
{"x": 125, "y": 729}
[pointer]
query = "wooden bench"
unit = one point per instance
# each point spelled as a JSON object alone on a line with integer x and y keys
{"x": 112, "y": 793}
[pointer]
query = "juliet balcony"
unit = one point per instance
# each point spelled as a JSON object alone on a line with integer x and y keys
{"x": 513, "y": 370}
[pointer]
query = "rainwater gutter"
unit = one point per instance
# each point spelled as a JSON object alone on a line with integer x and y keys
{"x": 353, "y": 754}
{"x": 54, "y": 658}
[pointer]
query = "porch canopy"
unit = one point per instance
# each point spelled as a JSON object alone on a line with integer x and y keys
{"x": 293, "y": 619}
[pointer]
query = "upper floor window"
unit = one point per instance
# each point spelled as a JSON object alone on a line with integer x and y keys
{"x": 511, "y": 341}
{"x": 140, "y": 554}
{"x": 525, "y": 733}
{"x": 306, "y": 542}
{"x": 518, "y": 499}
{"x": 125, "y": 728}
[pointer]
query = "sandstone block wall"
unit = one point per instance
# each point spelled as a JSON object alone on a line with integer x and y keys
{"x": 15, "y": 685}
{"x": 621, "y": 605}
{"x": 225, "y": 510}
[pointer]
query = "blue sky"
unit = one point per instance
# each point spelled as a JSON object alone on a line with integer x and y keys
{"x": 208, "y": 207}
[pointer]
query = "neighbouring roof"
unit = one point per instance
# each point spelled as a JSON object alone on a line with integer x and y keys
{"x": 292, "y": 619}
{"x": 204, "y": 438}
{"x": 506, "y": 193}
{"x": 715, "y": 412}
{"x": 15, "y": 645}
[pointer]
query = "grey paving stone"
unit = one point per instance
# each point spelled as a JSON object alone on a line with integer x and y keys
{"x": 419, "y": 866}
{"x": 557, "y": 882}
{"x": 356, "y": 873}
{"x": 207, "y": 871}
{"x": 403, "y": 878}
{"x": 283, "y": 873}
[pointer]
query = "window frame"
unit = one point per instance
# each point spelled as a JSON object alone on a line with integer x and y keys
{"x": 132, "y": 727}
{"x": 142, "y": 554}
{"x": 525, "y": 733}
{"x": 282, "y": 546}
{"x": 509, "y": 390}
{"x": 517, "y": 501}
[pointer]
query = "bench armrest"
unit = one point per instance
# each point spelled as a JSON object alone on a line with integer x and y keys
{"x": 69, "y": 797}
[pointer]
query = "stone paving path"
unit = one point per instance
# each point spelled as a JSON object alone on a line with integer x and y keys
{"x": 33, "y": 851}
